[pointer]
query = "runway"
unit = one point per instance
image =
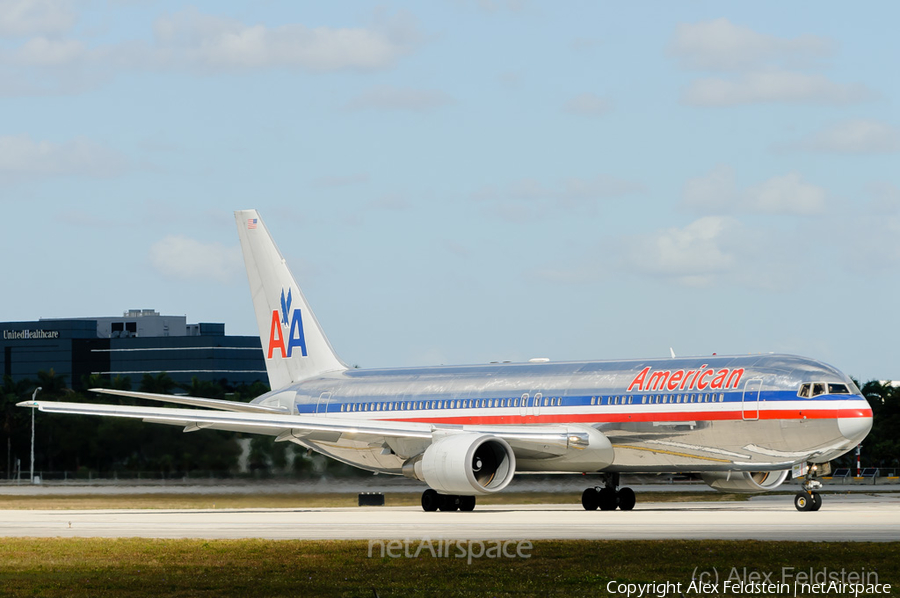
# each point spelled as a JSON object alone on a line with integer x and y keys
{"x": 842, "y": 518}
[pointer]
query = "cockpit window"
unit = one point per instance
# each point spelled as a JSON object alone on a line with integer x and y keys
{"x": 814, "y": 389}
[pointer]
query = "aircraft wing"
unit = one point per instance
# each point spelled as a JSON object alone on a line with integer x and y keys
{"x": 543, "y": 439}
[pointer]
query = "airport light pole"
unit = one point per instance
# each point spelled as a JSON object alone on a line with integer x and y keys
{"x": 33, "y": 395}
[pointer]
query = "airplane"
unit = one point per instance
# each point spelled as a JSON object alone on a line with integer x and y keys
{"x": 740, "y": 422}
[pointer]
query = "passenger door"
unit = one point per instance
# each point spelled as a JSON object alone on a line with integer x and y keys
{"x": 750, "y": 400}
{"x": 322, "y": 405}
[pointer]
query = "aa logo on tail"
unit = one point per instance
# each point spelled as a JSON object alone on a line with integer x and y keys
{"x": 285, "y": 343}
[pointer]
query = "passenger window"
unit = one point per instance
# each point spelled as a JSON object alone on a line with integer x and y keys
{"x": 643, "y": 400}
{"x": 593, "y": 400}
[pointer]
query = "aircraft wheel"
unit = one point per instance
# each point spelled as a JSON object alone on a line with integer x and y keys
{"x": 449, "y": 502}
{"x": 431, "y": 500}
{"x": 803, "y": 501}
{"x": 626, "y": 498}
{"x": 466, "y": 503}
{"x": 590, "y": 499}
{"x": 816, "y": 501}
{"x": 608, "y": 499}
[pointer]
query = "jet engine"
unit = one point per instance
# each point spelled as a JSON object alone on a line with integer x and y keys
{"x": 745, "y": 481}
{"x": 464, "y": 464}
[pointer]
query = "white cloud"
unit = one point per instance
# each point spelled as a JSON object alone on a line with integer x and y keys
{"x": 787, "y": 194}
{"x": 182, "y": 258}
{"x": 44, "y": 52}
{"x": 50, "y": 63}
{"x": 691, "y": 255}
{"x": 712, "y": 192}
{"x": 385, "y": 97}
{"x": 20, "y": 18}
{"x": 217, "y": 43}
{"x": 723, "y": 46}
{"x": 853, "y": 137}
{"x": 774, "y": 86}
{"x": 21, "y": 156}
{"x": 717, "y": 193}
{"x": 527, "y": 199}
{"x": 712, "y": 251}
{"x": 588, "y": 104}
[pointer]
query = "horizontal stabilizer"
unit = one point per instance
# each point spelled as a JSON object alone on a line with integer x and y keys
{"x": 220, "y": 404}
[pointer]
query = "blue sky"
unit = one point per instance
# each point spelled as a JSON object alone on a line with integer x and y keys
{"x": 465, "y": 181}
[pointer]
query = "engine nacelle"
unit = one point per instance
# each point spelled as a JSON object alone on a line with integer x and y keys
{"x": 464, "y": 464}
{"x": 745, "y": 481}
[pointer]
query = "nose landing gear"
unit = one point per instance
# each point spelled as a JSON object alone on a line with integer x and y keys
{"x": 808, "y": 499}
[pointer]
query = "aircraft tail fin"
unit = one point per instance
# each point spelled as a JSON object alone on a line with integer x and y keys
{"x": 293, "y": 343}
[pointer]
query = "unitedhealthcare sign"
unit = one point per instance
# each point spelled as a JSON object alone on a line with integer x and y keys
{"x": 19, "y": 335}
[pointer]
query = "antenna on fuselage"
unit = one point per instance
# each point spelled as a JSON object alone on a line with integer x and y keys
{"x": 672, "y": 352}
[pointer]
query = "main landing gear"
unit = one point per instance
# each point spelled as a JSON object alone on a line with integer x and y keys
{"x": 432, "y": 501}
{"x": 609, "y": 496}
{"x": 808, "y": 499}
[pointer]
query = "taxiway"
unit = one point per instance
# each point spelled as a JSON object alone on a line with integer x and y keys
{"x": 843, "y": 518}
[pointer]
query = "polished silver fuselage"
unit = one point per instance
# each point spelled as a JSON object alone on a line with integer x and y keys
{"x": 669, "y": 415}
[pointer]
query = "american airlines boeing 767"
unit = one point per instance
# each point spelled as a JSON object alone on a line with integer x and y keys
{"x": 740, "y": 422}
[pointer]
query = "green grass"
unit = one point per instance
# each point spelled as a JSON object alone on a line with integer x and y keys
{"x": 247, "y": 568}
{"x": 299, "y": 501}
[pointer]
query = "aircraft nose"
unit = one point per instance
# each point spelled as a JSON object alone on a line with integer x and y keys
{"x": 854, "y": 428}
